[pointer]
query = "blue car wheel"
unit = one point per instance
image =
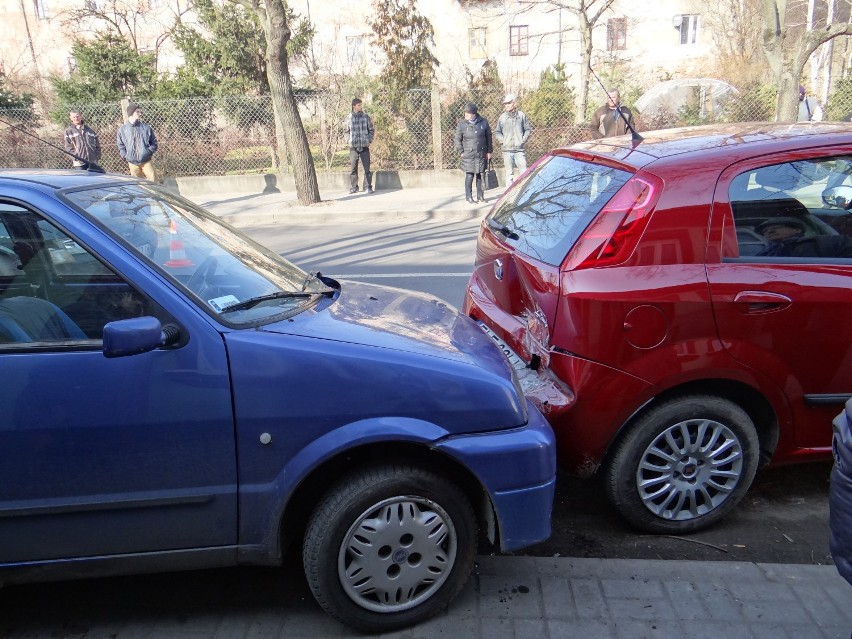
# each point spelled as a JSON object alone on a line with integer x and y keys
{"x": 389, "y": 546}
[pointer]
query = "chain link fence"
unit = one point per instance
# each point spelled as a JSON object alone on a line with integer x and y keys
{"x": 236, "y": 134}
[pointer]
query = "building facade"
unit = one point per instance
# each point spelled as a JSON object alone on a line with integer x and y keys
{"x": 656, "y": 41}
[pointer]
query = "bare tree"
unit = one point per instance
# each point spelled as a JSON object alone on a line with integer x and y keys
{"x": 276, "y": 18}
{"x": 588, "y": 13}
{"x": 32, "y": 50}
{"x": 131, "y": 20}
{"x": 791, "y": 33}
{"x": 735, "y": 28}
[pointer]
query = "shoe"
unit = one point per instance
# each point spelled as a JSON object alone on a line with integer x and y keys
{"x": 369, "y": 189}
{"x": 354, "y": 189}
{"x": 470, "y": 200}
{"x": 481, "y": 199}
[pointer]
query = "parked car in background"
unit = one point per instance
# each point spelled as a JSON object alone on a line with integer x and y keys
{"x": 678, "y": 307}
{"x": 176, "y": 396}
{"x": 840, "y": 494}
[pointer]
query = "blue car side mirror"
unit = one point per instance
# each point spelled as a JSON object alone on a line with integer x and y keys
{"x": 134, "y": 336}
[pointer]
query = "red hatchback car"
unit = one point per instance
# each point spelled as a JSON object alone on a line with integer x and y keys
{"x": 678, "y": 307}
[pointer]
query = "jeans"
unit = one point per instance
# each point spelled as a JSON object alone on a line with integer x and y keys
{"x": 514, "y": 159}
{"x": 468, "y": 186}
{"x": 364, "y": 156}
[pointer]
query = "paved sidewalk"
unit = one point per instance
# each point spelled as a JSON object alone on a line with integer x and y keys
{"x": 437, "y": 204}
{"x": 506, "y": 598}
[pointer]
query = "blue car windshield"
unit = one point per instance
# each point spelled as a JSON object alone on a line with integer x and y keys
{"x": 231, "y": 276}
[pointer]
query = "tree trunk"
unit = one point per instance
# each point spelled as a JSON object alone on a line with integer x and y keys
{"x": 787, "y": 54}
{"x": 293, "y": 144}
{"x": 585, "y": 65}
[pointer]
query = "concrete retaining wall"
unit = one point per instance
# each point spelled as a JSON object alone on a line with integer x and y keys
{"x": 203, "y": 186}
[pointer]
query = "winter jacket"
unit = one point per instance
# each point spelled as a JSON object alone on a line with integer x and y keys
{"x": 83, "y": 142}
{"x": 359, "y": 129}
{"x": 810, "y": 110}
{"x": 840, "y": 494}
{"x": 811, "y": 246}
{"x": 473, "y": 141}
{"x": 136, "y": 142}
{"x": 512, "y": 130}
{"x": 607, "y": 122}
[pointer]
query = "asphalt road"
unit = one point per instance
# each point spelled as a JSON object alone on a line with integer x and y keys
{"x": 783, "y": 518}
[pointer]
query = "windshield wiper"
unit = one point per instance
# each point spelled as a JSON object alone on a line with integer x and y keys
{"x": 278, "y": 295}
{"x": 505, "y": 230}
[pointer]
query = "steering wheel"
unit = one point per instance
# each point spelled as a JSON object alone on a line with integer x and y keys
{"x": 202, "y": 279}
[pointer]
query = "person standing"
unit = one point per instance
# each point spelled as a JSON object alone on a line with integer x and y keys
{"x": 359, "y": 129}
{"x": 512, "y": 132}
{"x": 474, "y": 144}
{"x": 82, "y": 141}
{"x": 137, "y": 144}
{"x": 612, "y": 118}
{"x": 809, "y": 108}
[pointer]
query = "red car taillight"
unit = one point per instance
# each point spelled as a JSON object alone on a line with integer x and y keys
{"x": 613, "y": 234}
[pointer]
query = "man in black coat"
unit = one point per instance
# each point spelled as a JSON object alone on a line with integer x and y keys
{"x": 474, "y": 144}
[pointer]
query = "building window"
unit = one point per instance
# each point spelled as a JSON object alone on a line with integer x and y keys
{"x": 689, "y": 29}
{"x": 40, "y": 9}
{"x": 477, "y": 44}
{"x": 355, "y": 50}
{"x": 519, "y": 40}
{"x": 616, "y": 34}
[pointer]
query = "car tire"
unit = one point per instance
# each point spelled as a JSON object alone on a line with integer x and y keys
{"x": 683, "y": 465}
{"x": 389, "y": 546}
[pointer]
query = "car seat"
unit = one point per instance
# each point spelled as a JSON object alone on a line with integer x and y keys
{"x": 32, "y": 319}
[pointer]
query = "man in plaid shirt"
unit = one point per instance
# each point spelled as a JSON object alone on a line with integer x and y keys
{"x": 359, "y": 129}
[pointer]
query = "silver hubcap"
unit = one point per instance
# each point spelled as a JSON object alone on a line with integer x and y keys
{"x": 397, "y": 554}
{"x": 690, "y": 469}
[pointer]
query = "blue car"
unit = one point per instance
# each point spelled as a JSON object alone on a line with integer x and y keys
{"x": 176, "y": 396}
{"x": 840, "y": 494}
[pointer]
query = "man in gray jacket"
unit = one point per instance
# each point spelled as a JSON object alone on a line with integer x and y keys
{"x": 137, "y": 144}
{"x": 81, "y": 141}
{"x": 512, "y": 132}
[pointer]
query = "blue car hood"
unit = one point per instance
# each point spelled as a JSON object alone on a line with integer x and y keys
{"x": 396, "y": 319}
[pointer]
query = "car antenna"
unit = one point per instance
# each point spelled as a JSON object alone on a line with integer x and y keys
{"x": 634, "y": 135}
{"x": 92, "y": 166}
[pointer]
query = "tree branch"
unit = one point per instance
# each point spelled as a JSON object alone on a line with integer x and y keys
{"x": 252, "y": 5}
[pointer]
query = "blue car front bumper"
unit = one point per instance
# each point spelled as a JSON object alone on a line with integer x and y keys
{"x": 518, "y": 469}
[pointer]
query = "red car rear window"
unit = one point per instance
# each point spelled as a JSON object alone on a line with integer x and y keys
{"x": 543, "y": 216}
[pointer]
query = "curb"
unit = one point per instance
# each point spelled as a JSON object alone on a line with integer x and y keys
{"x": 305, "y": 215}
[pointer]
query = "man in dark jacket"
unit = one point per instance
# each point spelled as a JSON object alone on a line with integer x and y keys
{"x": 612, "y": 118}
{"x": 474, "y": 144}
{"x": 786, "y": 237}
{"x": 82, "y": 141}
{"x": 137, "y": 144}
{"x": 360, "y": 131}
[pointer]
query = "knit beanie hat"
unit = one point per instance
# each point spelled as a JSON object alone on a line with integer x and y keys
{"x": 470, "y": 107}
{"x": 131, "y": 108}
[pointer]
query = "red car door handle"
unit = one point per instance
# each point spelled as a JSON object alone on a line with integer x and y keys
{"x": 761, "y": 301}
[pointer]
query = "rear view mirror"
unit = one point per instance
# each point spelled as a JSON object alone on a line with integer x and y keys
{"x": 839, "y": 197}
